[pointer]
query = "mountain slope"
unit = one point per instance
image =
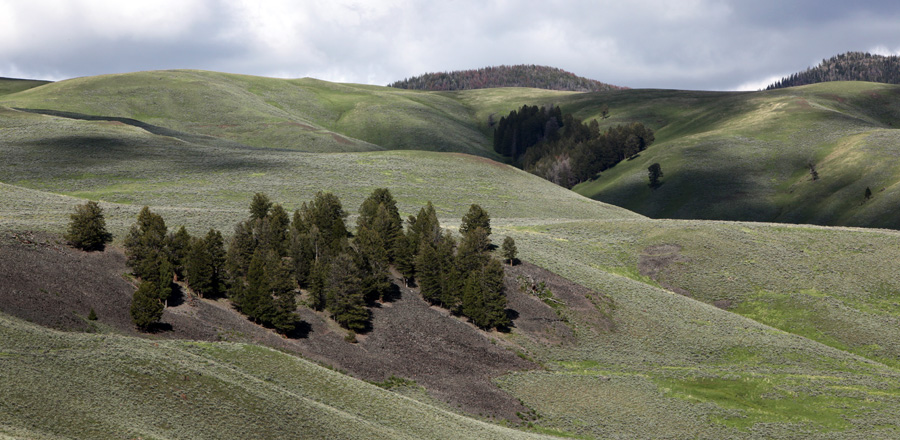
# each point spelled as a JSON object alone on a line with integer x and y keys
{"x": 746, "y": 156}
{"x": 531, "y": 76}
{"x": 850, "y": 66}
{"x": 303, "y": 115}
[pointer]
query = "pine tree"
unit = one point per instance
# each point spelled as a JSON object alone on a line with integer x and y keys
{"x": 87, "y": 229}
{"x": 509, "y": 250}
{"x": 428, "y": 272}
{"x": 259, "y": 207}
{"x": 145, "y": 244}
{"x": 654, "y": 172}
{"x": 145, "y": 306}
{"x": 484, "y": 299}
{"x": 344, "y": 296}
{"x": 179, "y": 244}
{"x": 475, "y": 218}
{"x": 200, "y": 269}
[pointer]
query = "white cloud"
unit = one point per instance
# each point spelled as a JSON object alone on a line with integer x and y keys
{"x": 754, "y": 85}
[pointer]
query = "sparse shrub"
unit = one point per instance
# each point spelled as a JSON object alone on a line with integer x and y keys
{"x": 87, "y": 229}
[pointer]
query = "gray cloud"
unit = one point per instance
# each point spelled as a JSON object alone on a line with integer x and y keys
{"x": 687, "y": 44}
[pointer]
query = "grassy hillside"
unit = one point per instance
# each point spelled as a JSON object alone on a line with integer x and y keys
{"x": 71, "y": 385}
{"x": 745, "y": 156}
{"x": 12, "y": 85}
{"x": 303, "y": 115}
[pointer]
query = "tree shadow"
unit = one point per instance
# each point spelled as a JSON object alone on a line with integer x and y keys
{"x": 300, "y": 331}
{"x": 177, "y": 297}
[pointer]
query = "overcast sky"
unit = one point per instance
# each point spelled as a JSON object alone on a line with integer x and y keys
{"x": 684, "y": 44}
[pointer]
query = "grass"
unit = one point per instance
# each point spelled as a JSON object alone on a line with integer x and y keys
{"x": 808, "y": 347}
{"x": 106, "y": 386}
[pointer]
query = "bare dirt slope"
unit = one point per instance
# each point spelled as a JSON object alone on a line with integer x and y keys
{"x": 48, "y": 283}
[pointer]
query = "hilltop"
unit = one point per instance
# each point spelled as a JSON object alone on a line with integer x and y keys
{"x": 850, "y": 66}
{"x": 538, "y": 77}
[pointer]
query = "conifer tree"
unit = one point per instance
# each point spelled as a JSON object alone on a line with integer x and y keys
{"x": 475, "y": 218}
{"x": 344, "y": 296}
{"x": 178, "y": 245}
{"x": 509, "y": 250}
{"x": 87, "y": 229}
{"x": 484, "y": 299}
{"x": 200, "y": 270}
{"x": 259, "y": 206}
{"x": 428, "y": 272}
{"x": 145, "y": 244}
{"x": 145, "y": 306}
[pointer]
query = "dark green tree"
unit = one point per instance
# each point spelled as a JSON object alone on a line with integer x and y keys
{"x": 654, "y": 173}
{"x": 145, "y": 306}
{"x": 201, "y": 273}
{"x": 509, "y": 250}
{"x": 476, "y": 217}
{"x": 473, "y": 250}
{"x": 379, "y": 213}
{"x": 428, "y": 272}
{"x": 868, "y": 194}
{"x": 145, "y": 244}
{"x": 344, "y": 295}
{"x": 179, "y": 244}
{"x": 484, "y": 298}
{"x": 259, "y": 207}
{"x": 87, "y": 228}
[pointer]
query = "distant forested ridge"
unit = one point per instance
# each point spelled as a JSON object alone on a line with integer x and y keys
{"x": 851, "y": 66}
{"x": 539, "y": 77}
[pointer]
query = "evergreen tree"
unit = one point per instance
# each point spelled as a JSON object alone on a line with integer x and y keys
{"x": 259, "y": 207}
{"x": 473, "y": 250}
{"x": 215, "y": 248}
{"x": 145, "y": 243}
{"x": 145, "y": 306}
{"x": 87, "y": 228}
{"x": 654, "y": 172}
{"x": 484, "y": 299}
{"x": 179, "y": 244}
{"x": 201, "y": 276}
{"x": 868, "y": 194}
{"x": 476, "y": 217}
{"x": 165, "y": 279}
{"x": 379, "y": 213}
{"x": 428, "y": 272}
{"x": 344, "y": 296}
{"x": 509, "y": 250}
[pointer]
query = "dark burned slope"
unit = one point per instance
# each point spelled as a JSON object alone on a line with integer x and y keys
{"x": 45, "y": 282}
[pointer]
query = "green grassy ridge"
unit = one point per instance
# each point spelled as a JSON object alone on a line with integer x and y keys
{"x": 744, "y": 156}
{"x": 303, "y": 114}
{"x": 107, "y": 386}
{"x": 13, "y": 85}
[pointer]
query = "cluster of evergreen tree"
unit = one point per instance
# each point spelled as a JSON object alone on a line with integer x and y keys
{"x": 540, "y": 77}
{"x": 157, "y": 258}
{"x": 851, "y": 66}
{"x": 272, "y": 256}
{"x": 562, "y": 148}
{"x": 462, "y": 277}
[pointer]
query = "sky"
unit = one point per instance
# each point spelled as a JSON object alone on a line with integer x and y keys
{"x": 684, "y": 44}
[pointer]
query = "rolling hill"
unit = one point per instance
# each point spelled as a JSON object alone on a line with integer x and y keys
{"x": 690, "y": 328}
{"x": 531, "y": 76}
{"x": 850, "y": 66}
